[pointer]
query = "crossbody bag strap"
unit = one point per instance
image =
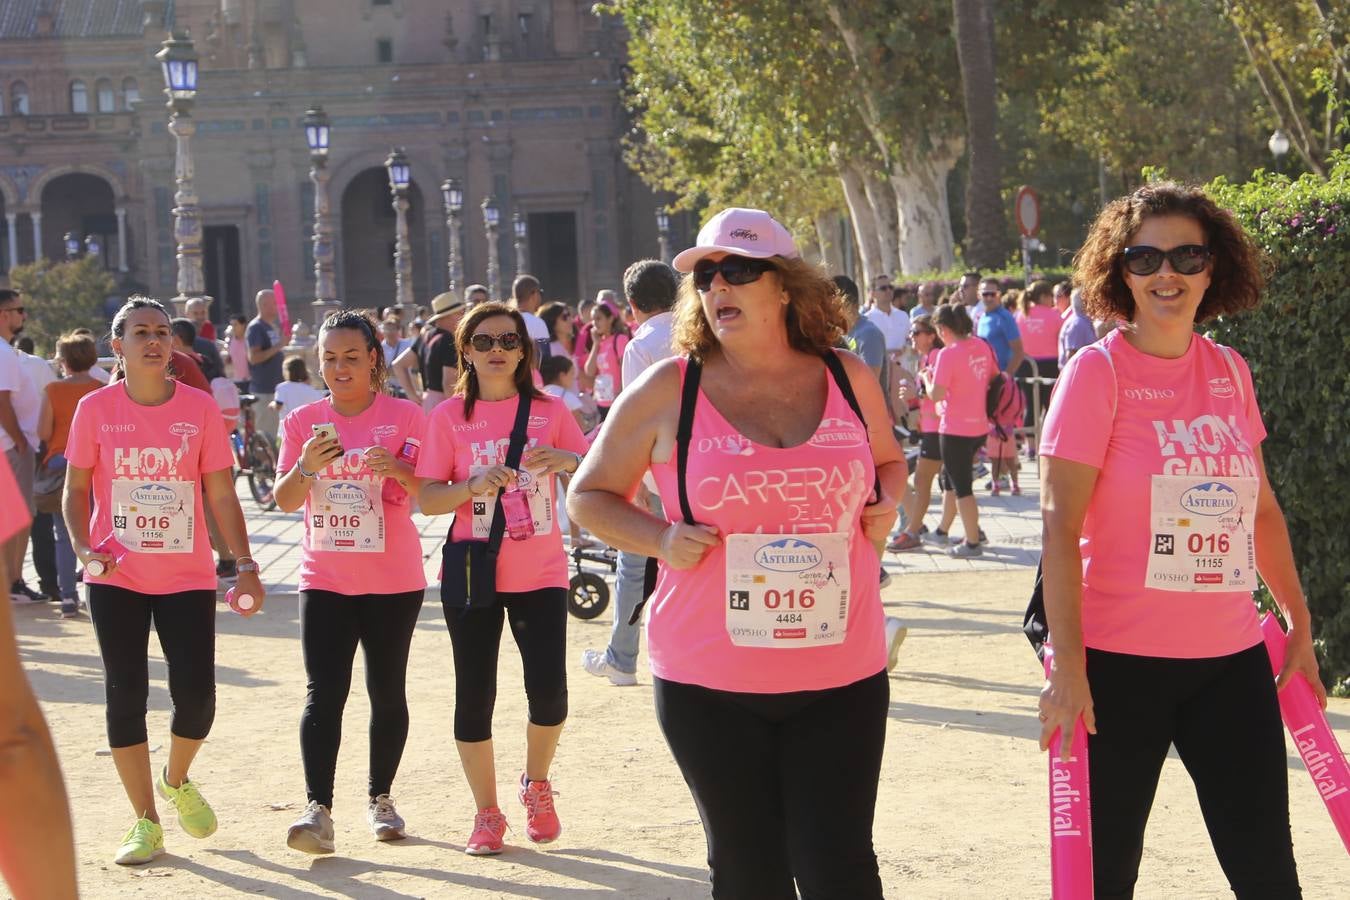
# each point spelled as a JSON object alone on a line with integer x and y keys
{"x": 846, "y": 388}
{"x": 513, "y": 453}
{"x": 1233, "y": 370}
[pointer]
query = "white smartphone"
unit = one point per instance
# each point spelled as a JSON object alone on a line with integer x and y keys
{"x": 325, "y": 430}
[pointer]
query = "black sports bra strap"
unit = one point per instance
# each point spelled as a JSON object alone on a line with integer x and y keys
{"x": 846, "y": 388}
{"x": 684, "y": 432}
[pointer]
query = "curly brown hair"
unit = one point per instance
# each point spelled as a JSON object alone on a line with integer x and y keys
{"x": 815, "y": 312}
{"x": 1236, "y": 277}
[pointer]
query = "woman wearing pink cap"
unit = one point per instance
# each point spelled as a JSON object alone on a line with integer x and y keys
{"x": 348, "y": 461}
{"x": 766, "y": 635}
{"x": 1158, "y": 518}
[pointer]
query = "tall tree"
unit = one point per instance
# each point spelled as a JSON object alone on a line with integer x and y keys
{"x": 986, "y": 223}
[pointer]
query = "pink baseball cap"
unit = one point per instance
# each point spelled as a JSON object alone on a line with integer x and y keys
{"x": 745, "y": 232}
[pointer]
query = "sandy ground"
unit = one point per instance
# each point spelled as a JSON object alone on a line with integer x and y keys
{"x": 961, "y": 811}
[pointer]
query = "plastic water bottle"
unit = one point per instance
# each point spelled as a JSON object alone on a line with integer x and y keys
{"x": 237, "y": 440}
{"x": 411, "y": 449}
{"x": 110, "y": 545}
{"x": 241, "y": 602}
{"x": 519, "y": 521}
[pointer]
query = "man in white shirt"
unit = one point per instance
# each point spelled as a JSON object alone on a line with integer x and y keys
{"x": 894, "y": 324}
{"x": 528, "y": 295}
{"x": 968, "y": 294}
{"x": 649, "y": 285}
{"x": 20, "y": 406}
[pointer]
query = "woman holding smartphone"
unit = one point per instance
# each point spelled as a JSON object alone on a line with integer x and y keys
{"x": 144, "y": 448}
{"x": 348, "y": 460}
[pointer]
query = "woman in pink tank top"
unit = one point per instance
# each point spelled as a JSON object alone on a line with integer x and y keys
{"x": 766, "y": 633}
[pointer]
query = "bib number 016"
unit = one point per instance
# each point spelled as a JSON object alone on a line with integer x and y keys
{"x": 152, "y": 523}
{"x": 1207, "y": 543}
{"x": 803, "y": 599}
{"x": 335, "y": 521}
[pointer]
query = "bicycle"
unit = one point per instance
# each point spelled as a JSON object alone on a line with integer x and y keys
{"x": 254, "y": 456}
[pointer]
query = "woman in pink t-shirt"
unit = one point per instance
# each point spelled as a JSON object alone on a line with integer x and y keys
{"x": 348, "y": 460}
{"x": 462, "y": 470}
{"x": 958, "y": 384}
{"x": 766, "y": 636}
{"x": 929, "y": 465}
{"x": 604, "y": 362}
{"x": 1158, "y": 518}
{"x": 1039, "y": 321}
{"x": 145, "y": 447}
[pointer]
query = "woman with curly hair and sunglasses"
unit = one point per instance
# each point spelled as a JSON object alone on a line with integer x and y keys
{"x": 775, "y": 460}
{"x": 1158, "y": 517}
{"x": 464, "y": 467}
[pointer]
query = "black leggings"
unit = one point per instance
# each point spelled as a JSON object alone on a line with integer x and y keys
{"x": 331, "y": 625}
{"x": 1222, "y": 715}
{"x": 1045, "y": 368}
{"x": 786, "y": 785}
{"x": 958, "y": 460}
{"x": 539, "y": 625}
{"x": 186, "y": 625}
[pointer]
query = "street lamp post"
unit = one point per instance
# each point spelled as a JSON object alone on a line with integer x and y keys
{"x": 1279, "y": 147}
{"x": 178, "y": 60}
{"x": 491, "y": 219}
{"x": 325, "y": 290}
{"x": 663, "y": 232}
{"x": 453, "y": 196}
{"x": 399, "y": 178}
{"x": 72, "y": 245}
{"x": 521, "y": 234}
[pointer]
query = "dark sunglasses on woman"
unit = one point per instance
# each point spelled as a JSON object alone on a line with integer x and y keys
{"x": 485, "y": 342}
{"x": 734, "y": 269}
{"x": 1188, "y": 259}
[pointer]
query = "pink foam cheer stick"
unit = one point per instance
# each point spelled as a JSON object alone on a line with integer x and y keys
{"x": 1307, "y": 724}
{"x": 1070, "y": 815}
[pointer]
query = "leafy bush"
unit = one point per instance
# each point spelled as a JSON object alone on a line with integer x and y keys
{"x": 62, "y": 296}
{"x": 1298, "y": 345}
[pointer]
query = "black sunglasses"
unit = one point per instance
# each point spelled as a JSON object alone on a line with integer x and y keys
{"x": 485, "y": 342}
{"x": 734, "y": 269}
{"x": 1188, "y": 259}
{"x": 988, "y": 293}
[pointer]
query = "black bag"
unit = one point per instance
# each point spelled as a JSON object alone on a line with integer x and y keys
{"x": 1034, "y": 624}
{"x": 469, "y": 568}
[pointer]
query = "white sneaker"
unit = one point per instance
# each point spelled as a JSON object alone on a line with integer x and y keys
{"x": 594, "y": 662}
{"x": 896, "y": 632}
{"x": 313, "y": 831}
{"x": 385, "y": 822}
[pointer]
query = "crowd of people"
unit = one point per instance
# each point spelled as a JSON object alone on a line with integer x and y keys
{"x": 734, "y": 425}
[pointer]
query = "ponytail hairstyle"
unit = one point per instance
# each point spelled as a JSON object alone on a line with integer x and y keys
{"x": 351, "y": 320}
{"x": 467, "y": 385}
{"x": 119, "y": 328}
{"x": 955, "y": 318}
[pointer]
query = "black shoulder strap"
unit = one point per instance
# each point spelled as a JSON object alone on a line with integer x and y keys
{"x": 846, "y": 388}
{"x": 513, "y": 453}
{"x": 693, "y": 373}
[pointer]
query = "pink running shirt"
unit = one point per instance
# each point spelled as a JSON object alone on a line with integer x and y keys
{"x": 124, "y": 444}
{"x": 385, "y": 423}
{"x": 1040, "y": 332}
{"x": 609, "y": 369}
{"x": 12, "y": 502}
{"x": 747, "y": 488}
{"x": 964, "y": 369}
{"x": 454, "y": 444}
{"x": 1173, "y": 416}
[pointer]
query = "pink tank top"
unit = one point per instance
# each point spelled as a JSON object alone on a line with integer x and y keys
{"x": 741, "y": 487}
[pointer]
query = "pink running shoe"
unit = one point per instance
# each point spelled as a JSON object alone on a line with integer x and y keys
{"x": 489, "y": 827}
{"x": 541, "y": 819}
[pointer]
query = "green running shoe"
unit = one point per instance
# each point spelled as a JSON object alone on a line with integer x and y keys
{"x": 194, "y": 813}
{"x": 142, "y": 843}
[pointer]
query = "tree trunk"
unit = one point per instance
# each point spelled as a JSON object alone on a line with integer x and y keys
{"x": 827, "y": 240}
{"x": 986, "y": 226}
{"x": 864, "y": 223}
{"x": 925, "y": 216}
{"x": 881, "y": 198}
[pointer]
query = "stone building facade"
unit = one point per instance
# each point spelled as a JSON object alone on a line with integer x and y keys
{"x": 518, "y": 99}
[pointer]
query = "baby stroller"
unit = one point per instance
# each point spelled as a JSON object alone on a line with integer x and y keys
{"x": 588, "y": 592}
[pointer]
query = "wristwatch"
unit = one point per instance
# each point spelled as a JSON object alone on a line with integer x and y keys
{"x": 244, "y": 568}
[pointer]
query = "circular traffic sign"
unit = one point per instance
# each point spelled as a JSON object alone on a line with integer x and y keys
{"x": 1028, "y": 209}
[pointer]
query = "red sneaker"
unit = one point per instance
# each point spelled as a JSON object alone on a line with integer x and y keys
{"x": 541, "y": 819}
{"x": 489, "y": 827}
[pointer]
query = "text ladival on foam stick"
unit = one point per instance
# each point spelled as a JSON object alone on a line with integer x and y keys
{"x": 1070, "y": 815}
{"x": 1312, "y": 734}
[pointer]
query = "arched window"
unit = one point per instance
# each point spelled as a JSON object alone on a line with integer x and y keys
{"x": 107, "y": 100}
{"x": 131, "y": 93}
{"x": 18, "y": 98}
{"x": 79, "y": 97}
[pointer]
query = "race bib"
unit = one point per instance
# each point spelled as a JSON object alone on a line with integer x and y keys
{"x": 787, "y": 591}
{"x": 604, "y": 389}
{"x": 536, "y": 487}
{"x": 154, "y": 516}
{"x": 1203, "y": 534}
{"x": 346, "y": 515}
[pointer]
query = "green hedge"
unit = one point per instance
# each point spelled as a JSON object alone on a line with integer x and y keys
{"x": 1298, "y": 345}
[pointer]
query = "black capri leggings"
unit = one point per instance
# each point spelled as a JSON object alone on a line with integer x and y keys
{"x": 331, "y": 625}
{"x": 786, "y": 785}
{"x": 958, "y": 459}
{"x": 539, "y": 624}
{"x": 1222, "y": 715}
{"x": 186, "y": 625}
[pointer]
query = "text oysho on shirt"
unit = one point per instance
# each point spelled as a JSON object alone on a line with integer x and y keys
{"x": 1172, "y": 417}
